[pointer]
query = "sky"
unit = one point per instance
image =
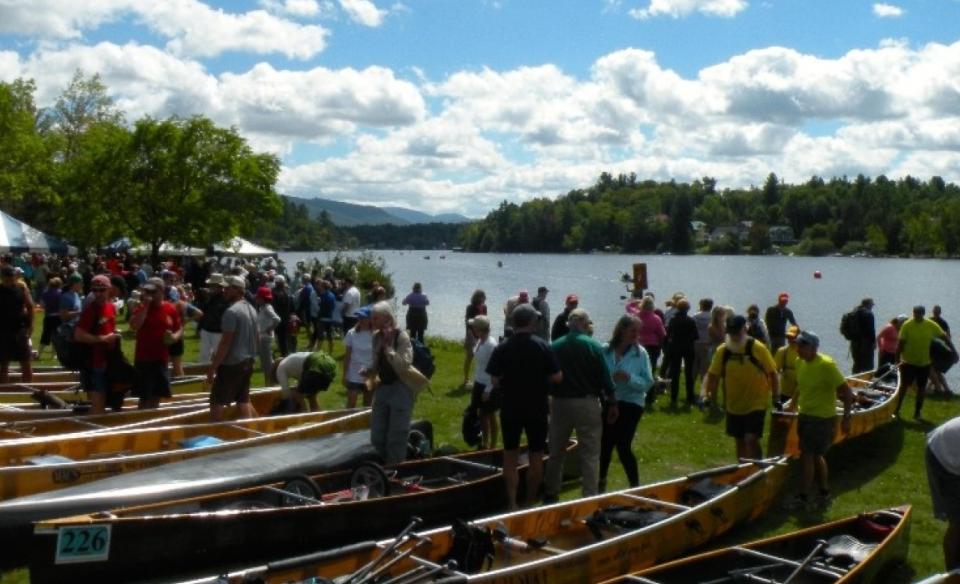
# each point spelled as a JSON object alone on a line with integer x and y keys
{"x": 457, "y": 105}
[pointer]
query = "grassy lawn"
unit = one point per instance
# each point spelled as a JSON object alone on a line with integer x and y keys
{"x": 885, "y": 468}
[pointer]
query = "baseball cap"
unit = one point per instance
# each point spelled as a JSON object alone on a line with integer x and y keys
{"x": 100, "y": 281}
{"x": 572, "y": 299}
{"x": 542, "y": 289}
{"x": 524, "y": 315}
{"x": 74, "y": 278}
{"x": 808, "y": 338}
{"x": 232, "y": 281}
{"x": 783, "y": 296}
{"x": 523, "y": 295}
{"x": 264, "y": 293}
{"x": 480, "y": 322}
{"x": 362, "y": 313}
{"x": 793, "y": 331}
{"x": 735, "y": 324}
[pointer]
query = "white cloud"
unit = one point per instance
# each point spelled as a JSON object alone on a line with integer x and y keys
{"x": 681, "y": 8}
{"x": 881, "y": 10}
{"x": 363, "y": 12}
{"x": 192, "y": 27}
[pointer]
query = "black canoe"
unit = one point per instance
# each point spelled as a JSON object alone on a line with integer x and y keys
{"x": 214, "y": 473}
{"x": 196, "y": 536}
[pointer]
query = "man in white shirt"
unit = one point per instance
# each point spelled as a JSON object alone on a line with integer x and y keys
{"x": 943, "y": 474}
{"x": 351, "y": 304}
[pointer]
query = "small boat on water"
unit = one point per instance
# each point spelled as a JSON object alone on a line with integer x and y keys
{"x": 233, "y": 528}
{"x": 850, "y": 550}
{"x": 35, "y": 422}
{"x": 139, "y": 440}
{"x": 55, "y": 373}
{"x": 875, "y": 400}
{"x": 586, "y": 540}
{"x": 46, "y": 473}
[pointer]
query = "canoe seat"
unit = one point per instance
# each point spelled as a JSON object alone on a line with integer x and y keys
{"x": 702, "y": 491}
{"x": 621, "y": 518}
{"x": 847, "y": 546}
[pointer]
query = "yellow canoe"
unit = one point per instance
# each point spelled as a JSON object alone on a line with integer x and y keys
{"x": 855, "y": 549}
{"x": 175, "y": 412}
{"x": 48, "y": 474}
{"x": 46, "y": 373}
{"x": 22, "y": 394}
{"x": 134, "y": 441}
{"x": 587, "y": 540}
{"x": 874, "y": 404}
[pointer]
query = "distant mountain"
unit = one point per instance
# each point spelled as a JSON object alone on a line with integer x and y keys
{"x": 350, "y": 214}
{"x": 411, "y": 216}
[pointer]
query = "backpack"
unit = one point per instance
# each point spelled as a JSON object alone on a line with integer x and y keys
{"x": 470, "y": 426}
{"x": 849, "y": 327}
{"x": 423, "y": 358}
{"x": 71, "y": 354}
{"x": 747, "y": 352}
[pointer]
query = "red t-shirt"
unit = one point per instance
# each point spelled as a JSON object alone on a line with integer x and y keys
{"x": 150, "y": 347}
{"x": 105, "y": 325}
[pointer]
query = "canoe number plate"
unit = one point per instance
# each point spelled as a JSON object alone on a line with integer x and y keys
{"x": 83, "y": 544}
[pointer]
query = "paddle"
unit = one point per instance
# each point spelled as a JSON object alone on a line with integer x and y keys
{"x": 375, "y": 573}
{"x": 806, "y": 561}
{"x": 362, "y": 572}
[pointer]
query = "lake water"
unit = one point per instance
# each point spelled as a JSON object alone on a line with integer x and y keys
{"x": 895, "y": 285}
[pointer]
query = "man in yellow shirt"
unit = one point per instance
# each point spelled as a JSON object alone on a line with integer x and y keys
{"x": 819, "y": 384}
{"x": 786, "y": 359}
{"x": 750, "y": 383}
{"x": 913, "y": 354}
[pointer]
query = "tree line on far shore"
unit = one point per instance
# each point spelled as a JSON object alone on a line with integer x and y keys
{"x": 876, "y": 216}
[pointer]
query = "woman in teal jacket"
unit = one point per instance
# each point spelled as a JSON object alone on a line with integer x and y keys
{"x": 630, "y": 366}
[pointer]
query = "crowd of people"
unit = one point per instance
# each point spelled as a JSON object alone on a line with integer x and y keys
{"x": 545, "y": 379}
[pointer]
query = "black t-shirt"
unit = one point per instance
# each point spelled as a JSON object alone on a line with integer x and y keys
{"x": 523, "y": 363}
{"x": 213, "y": 310}
{"x": 11, "y": 310}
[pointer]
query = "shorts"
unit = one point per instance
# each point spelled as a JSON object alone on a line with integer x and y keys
{"x": 50, "y": 324}
{"x": 232, "y": 384}
{"x": 358, "y": 387}
{"x": 13, "y": 346}
{"x": 153, "y": 380}
{"x": 311, "y": 382}
{"x": 739, "y": 425}
{"x": 176, "y": 349}
{"x": 518, "y": 420}
{"x": 914, "y": 373}
{"x": 323, "y": 328}
{"x": 94, "y": 380}
{"x": 944, "y": 489}
{"x": 816, "y": 434}
{"x": 485, "y": 407}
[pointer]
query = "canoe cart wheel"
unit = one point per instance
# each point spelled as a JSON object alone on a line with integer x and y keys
{"x": 298, "y": 491}
{"x": 372, "y": 476}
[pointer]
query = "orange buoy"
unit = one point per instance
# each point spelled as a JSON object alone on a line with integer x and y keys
{"x": 817, "y": 274}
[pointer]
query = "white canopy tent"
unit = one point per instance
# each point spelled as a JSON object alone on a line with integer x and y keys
{"x": 168, "y": 249}
{"x": 18, "y": 237}
{"x": 241, "y": 247}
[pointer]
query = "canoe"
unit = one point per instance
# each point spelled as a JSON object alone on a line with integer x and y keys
{"x": 216, "y": 532}
{"x": 53, "y": 373}
{"x": 586, "y": 540}
{"x": 134, "y": 441}
{"x": 215, "y": 473}
{"x": 49, "y": 473}
{"x": 875, "y": 401}
{"x": 850, "y": 550}
{"x": 172, "y": 412}
{"x": 22, "y": 395}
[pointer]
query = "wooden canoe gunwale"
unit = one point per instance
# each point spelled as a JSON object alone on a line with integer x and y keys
{"x": 649, "y": 576}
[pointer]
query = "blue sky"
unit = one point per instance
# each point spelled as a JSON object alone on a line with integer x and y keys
{"x": 454, "y": 105}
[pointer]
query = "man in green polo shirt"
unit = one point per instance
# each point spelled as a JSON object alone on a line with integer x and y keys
{"x": 913, "y": 352}
{"x": 819, "y": 384}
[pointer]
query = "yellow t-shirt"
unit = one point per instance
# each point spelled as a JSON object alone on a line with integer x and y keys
{"x": 916, "y": 336}
{"x": 786, "y": 360}
{"x": 747, "y": 387}
{"x": 817, "y": 383}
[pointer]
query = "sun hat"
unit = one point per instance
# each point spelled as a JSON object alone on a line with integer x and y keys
{"x": 232, "y": 281}
{"x": 479, "y": 322}
{"x": 215, "y": 280}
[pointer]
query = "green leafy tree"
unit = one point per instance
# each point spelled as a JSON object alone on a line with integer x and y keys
{"x": 83, "y": 103}
{"x": 27, "y": 171}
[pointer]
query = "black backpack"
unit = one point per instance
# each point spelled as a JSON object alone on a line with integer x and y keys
{"x": 849, "y": 326}
{"x": 470, "y": 426}
{"x": 423, "y": 358}
{"x": 747, "y": 352}
{"x": 71, "y": 354}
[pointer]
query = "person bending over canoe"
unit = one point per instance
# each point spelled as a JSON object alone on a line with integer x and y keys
{"x": 232, "y": 363}
{"x": 750, "y": 382}
{"x": 819, "y": 384}
{"x": 314, "y": 371}
{"x": 943, "y": 474}
{"x": 157, "y": 325}
{"x": 522, "y": 368}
